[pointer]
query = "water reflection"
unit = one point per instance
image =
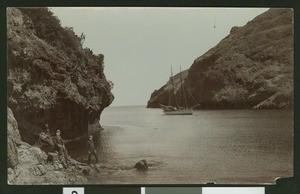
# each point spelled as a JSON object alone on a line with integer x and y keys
{"x": 230, "y": 146}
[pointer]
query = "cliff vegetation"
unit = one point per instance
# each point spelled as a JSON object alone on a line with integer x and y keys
{"x": 250, "y": 68}
{"x": 51, "y": 79}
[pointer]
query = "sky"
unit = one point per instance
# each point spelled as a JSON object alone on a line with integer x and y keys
{"x": 141, "y": 44}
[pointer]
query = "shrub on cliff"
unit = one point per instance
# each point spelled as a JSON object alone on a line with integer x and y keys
{"x": 48, "y": 28}
{"x": 252, "y": 67}
{"x": 52, "y": 78}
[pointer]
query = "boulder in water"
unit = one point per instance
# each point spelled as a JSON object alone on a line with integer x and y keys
{"x": 142, "y": 165}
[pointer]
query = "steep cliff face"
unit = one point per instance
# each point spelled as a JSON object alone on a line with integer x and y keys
{"x": 30, "y": 165}
{"x": 165, "y": 94}
{"x": 250, "y": 68}
{"x": 13, "y": 140}
{"x": 51, "y": 78}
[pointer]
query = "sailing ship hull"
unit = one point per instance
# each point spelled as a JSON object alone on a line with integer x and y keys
{"x": 180, "y": 112}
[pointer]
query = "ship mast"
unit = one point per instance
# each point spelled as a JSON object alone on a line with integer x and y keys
{"x": 182, "y": 91}
{"x": 173, "y": 90}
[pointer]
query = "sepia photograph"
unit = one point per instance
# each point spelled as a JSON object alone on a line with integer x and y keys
{"x": 149, "y": 95}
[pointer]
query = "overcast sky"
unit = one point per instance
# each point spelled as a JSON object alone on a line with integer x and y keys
{"x": 141, "y": 44}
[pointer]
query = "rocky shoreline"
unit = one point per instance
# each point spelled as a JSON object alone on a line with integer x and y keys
{"x": 28, "y": 164}
{"x": 51, "y": 79}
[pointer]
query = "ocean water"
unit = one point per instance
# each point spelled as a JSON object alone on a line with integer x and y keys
{"x": 221, "y": 146}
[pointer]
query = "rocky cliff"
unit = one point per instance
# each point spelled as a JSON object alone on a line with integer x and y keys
{"x": 250, "y": 68}
{"x": 51, "y": 77}
{"x": 165, "y": 94}
{"x": 30, "y": 165}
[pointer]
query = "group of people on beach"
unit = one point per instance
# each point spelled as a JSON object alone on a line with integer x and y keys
{"x": 59, "y": 145}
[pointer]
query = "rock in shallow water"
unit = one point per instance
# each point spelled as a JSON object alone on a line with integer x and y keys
{"x": 142, "y": 165}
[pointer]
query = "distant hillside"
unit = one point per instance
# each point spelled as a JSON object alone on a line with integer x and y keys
{"x": 250, "y": 68}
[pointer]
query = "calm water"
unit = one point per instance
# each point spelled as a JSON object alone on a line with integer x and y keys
{"x": 222, "y": 146}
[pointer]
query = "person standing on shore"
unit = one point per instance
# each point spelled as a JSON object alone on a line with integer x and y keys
{"x": 91, "y": 149}
{"x": 60, "y": 143}
{"x": 45, "y": 141}
{"x": 47, "y": 130}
